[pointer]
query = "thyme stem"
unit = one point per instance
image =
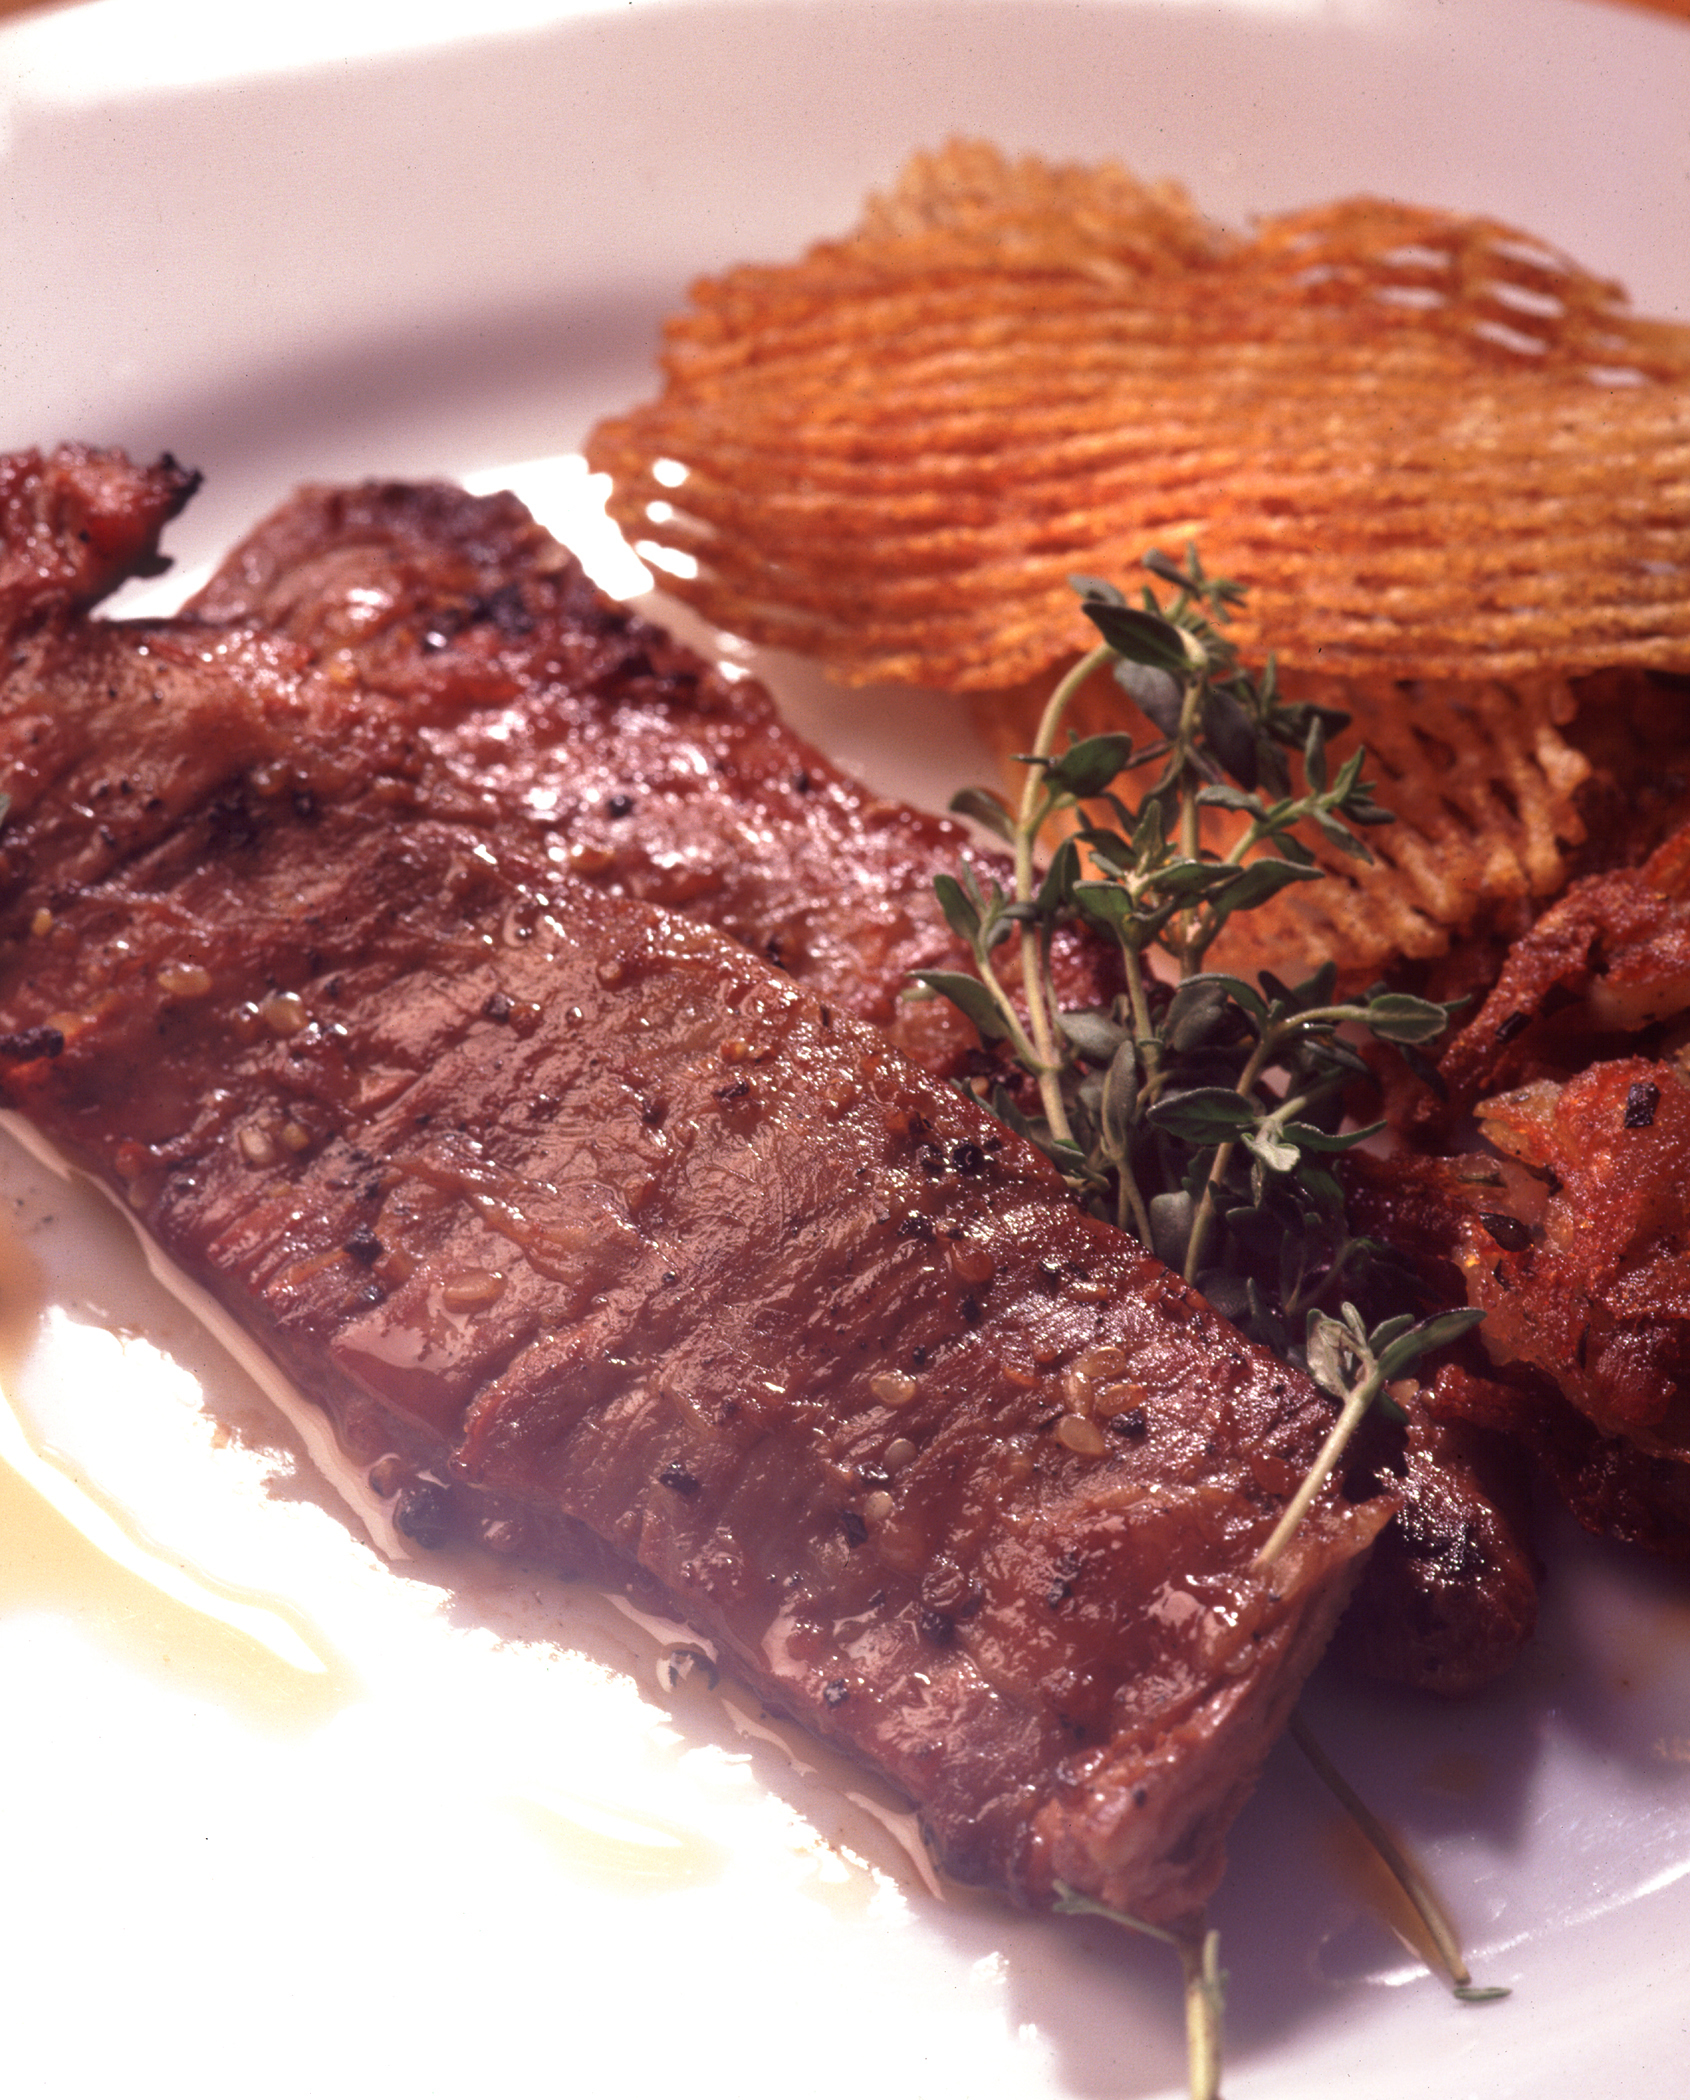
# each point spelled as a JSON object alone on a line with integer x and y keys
{"x": 1034, "y": 809}
{"x": 1360, "y": 1399}
{"x": 1130, "y": 1204}
{"x": 1024, "y": 1049}
{"x": 1204, "y": 2004}
{"x": 1404, "y": 1872}
{"x": 1146, "y": 1041}
{"x": 1200, "y": 1224}
{"x": 1189, "y": 780}
{"x": 1199, "y": 1950}
{"x": 1268, "y": 1046}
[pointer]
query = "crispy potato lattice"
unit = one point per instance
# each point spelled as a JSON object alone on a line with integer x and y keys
{"x": 1480, "y": 777}
{"x": 1433, "y": 447}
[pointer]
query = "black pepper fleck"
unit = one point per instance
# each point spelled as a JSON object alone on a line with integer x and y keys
{"x": 1641, "y": 1102}
{"x": 424, "y": 1514}
{"x": 27, "y": 1044}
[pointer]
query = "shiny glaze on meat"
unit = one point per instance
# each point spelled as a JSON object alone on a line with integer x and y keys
{"x": 1449, "y": 1595}
{"x": 1584, "y": 1356}
{"x": 1605, "y": 962}
{"x": 660, "y": 1264}
{"x": 642, "y": 768}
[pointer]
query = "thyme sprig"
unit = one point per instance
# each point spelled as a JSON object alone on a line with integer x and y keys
{"x": 1199, "y": 1951}
{"x": 1201, "y": 1113}
{"x": 1357, "y": 1367}
{"x": 1408, "y": 1877}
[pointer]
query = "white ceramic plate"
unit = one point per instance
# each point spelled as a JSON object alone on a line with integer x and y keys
{"x": 435, "y": 1829}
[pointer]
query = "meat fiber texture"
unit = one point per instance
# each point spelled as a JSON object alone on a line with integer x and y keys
{"x": 656, "y": 1263}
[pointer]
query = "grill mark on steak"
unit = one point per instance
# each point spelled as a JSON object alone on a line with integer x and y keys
{"x": 306, "y": 1049}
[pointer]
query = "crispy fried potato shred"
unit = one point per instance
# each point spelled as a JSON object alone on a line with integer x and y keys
{"x": 1435, "y": 450}
{"x": 1424, "y": 441}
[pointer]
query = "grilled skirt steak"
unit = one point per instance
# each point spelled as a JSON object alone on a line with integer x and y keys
{"x": 657, "y": 1264}
{"x": 624, "y": 757}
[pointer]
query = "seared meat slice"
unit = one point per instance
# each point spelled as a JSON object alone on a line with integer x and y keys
{"x": 1449, "y": 1596}
{"x": 76, "y": 523}
{"x": 1574, "y": 1244}
{"x": 643, "y": 768}
{"x": 1607, "y": 961}
{"x": 646, "y": 1253}
{"x": 1596, "y": 1290}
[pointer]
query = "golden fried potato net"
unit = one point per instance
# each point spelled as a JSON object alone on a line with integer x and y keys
{"x": 1430, "y": 445}
{"x": 1452, "y": 468}
{"x": 1479, "y": 776}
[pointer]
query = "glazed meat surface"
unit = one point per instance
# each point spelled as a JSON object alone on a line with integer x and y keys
{"x": 638, "y": 766}
{"x": 632, "y": 1249}
{"x": 1605, "y": 963}
{"x": 74, "y": 527}
{"x": 1449, "y": 1596}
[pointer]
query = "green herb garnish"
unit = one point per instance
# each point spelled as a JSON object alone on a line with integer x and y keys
{"x": 1199, "y": 1950}
{"x": 1199, "y": 1112}
{"x": 1407, "y": 1875}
